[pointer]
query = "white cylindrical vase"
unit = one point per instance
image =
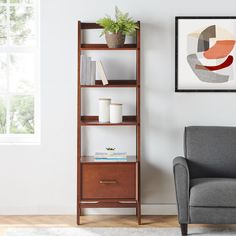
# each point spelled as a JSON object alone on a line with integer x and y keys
{"x": 115, "y": 113}
{"x": 104, "y": 110}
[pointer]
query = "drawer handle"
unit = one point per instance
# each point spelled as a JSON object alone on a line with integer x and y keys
{"x": 108, "y": 182}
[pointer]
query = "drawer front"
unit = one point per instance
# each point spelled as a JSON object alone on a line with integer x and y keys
{"x": 108, "y": 181}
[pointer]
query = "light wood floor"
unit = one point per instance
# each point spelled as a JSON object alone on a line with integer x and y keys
{"x": 86, "y": 221}
{"x": 7, "y": 222}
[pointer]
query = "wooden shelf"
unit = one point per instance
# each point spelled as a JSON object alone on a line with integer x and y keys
{"x": 104, "y": 47}
{"x": 89, "y": 25}
{"x": 113, "y": 84}
{"x": 93, "y": 121}
{"x": 91, "y": 159}
{"x": 108, "y": 203}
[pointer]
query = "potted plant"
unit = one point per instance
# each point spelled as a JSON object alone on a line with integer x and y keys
{"x": 116, "y": 30}
{"x": 110, "y": 150}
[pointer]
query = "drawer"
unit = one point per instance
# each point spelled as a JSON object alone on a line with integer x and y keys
{"x": 109, "y": 181}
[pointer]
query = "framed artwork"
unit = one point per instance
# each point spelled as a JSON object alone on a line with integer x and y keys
{"x": 205, "y": 54}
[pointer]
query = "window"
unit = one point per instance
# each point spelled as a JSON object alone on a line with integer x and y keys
{"x": 19, "y": 71}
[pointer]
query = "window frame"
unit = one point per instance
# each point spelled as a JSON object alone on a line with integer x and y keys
{"x": 34, "y": 138}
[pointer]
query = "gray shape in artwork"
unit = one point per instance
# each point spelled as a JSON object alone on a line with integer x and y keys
{"x": 205, "y": 75}
{"x": 203, "y": 40}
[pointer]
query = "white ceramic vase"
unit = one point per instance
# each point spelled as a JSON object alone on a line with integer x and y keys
{"x": 104, "y": 110}
{"x": 115, "y": 113}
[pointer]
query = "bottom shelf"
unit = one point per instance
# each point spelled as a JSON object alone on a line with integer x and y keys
{"x": 108, "y": 204}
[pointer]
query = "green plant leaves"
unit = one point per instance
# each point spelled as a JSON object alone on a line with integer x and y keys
{"x": 122, "y": 23}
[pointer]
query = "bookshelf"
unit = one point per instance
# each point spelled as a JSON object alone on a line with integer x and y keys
{"x": 108, "y": 184}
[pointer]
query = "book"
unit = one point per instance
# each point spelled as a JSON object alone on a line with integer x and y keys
{"x": 101, "y": 73}
{"x": 108, "y": 155}
{"x": 101, "y": 154}
{"x": 88, "y": 71}
{"x": 82, "y": 69}
{"x": 93, "y": 73}
{"x": 111, "y": 159}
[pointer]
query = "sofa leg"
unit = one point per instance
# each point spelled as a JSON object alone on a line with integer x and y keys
{"x": 184, "y": 229}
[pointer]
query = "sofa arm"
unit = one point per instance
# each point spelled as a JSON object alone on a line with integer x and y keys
{"x": 182, "y": 182}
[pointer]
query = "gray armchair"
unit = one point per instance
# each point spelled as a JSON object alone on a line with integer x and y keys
{"x": 205, "y": 180}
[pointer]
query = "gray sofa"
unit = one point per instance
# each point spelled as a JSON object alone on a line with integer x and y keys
{"x": 205, "y": 180}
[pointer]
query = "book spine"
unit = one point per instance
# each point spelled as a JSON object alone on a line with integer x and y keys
{"x": 93, "y": 72}
{"x": 110, "y": 156}
{"x": 88, "y": 71}
{"x": 114, "y": 155}
{"x": 82, "y": 69}
{"x": 101, "y": 73}
{"x": 115, "y": 160}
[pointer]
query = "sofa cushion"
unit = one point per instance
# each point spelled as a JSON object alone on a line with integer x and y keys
{"x": 213, "y": 192}
{"x": 211, "y": 151}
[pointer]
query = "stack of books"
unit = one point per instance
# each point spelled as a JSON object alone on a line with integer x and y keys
{"x": 116, "y": 156}
{"x": 89, "y": 69}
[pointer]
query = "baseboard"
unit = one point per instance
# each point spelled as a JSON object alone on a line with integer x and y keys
{"x": 147, "y": 209}
{"x": 159, "y": 209}
{"x": 45, "y": 210}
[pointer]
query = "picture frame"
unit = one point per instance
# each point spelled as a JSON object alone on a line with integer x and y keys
{"x": 205, "y": 54}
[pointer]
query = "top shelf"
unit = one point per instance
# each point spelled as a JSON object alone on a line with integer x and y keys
{"x": 88, "y": 25}
{"x": 104, "y": 47}
{"x": 92, "y": 46}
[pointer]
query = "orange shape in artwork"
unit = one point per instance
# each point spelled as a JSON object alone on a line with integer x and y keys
{"x": 220, "y": 50}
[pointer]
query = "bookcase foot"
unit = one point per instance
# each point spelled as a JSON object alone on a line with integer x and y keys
{"x": 78, "y": 216}
{"x": 138, "y": 214}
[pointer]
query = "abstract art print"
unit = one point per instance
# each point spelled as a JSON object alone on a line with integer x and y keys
{"x": 205, "y": 54}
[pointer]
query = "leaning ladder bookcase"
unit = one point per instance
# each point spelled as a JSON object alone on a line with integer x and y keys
{"x": 108, "y": 184}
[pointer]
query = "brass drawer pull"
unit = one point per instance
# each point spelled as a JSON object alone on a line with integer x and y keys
{"x": 108, "y": 182}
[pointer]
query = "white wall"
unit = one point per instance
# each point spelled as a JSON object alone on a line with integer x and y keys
{"x": 42, "y": 179}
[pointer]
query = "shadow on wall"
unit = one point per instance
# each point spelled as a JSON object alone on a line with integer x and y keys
{"x": 152, "y": 35}
{"x": 150, "y": 181}
{"x": 160, "y": 134}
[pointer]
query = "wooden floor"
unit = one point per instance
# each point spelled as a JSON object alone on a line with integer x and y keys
{"x": 7, "y": 222}
{"x": 86, "y": 221}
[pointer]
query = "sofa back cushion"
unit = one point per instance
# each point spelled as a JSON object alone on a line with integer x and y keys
{"x": 211, "y": 151}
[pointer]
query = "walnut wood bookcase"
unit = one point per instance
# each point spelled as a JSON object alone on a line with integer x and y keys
{"x": 108, "y": 184}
